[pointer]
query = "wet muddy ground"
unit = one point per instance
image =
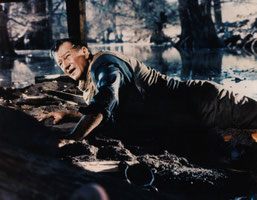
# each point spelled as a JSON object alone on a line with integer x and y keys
{"x": 215, "y": 164}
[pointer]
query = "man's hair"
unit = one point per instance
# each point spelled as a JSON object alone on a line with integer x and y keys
{"x": 76, "y": 44}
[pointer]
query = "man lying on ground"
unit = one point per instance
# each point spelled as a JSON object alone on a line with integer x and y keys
{"x": 121, "y": 90}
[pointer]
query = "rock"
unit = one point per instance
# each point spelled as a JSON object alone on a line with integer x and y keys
{"x": 77, "y": 149}
{"x": 237, "y": 80}
{"x": 114, "y": 153}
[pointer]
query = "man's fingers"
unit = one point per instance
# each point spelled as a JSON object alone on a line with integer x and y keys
{"x": 56, "y": 115}
{"x": 43, "y": 116}
{"x": 40, "y": 117}
{"x": 56, "y": 120}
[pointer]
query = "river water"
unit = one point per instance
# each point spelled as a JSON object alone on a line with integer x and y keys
{"x": 234, "y": 70}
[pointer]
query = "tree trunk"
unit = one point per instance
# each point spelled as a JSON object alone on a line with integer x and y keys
{"x": 217, "y": 13}
{"x": 198, "y": 30}
{"x": 76, "y": 17}
{"x": 5, "y": 44}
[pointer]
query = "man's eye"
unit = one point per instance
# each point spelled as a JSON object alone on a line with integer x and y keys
{"x": 60, "y": 64}
{"x": 67, "y": 55}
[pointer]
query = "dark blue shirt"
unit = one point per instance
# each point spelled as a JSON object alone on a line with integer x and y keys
{"x": 116, "y": 91}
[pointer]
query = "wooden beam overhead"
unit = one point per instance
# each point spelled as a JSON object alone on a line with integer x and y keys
{"x": 8, "y": 1}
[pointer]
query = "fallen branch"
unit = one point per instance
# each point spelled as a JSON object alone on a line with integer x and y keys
{"x": 66, "y": 96}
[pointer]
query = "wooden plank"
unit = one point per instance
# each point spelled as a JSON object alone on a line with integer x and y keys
{"x": 102, "y": 166}
{"x": 43, "y": 100}
{"x": 66, "y": 96}
{"x": 40, "y": 79}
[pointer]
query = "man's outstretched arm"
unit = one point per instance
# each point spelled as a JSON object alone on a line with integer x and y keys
{"x": 58, "y": 116}
{"x": 110, "y": 79}
{"x": 86, "y": 125}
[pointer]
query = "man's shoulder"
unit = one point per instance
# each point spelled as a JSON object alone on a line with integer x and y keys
{"x": 109, "y": 57}
{"x": 111, "y": 54}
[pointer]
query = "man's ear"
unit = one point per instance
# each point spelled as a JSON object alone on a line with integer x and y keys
{"x": 85, "y": 52}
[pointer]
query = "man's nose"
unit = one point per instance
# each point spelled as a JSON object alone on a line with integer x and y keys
{"x": 66, "y": 65}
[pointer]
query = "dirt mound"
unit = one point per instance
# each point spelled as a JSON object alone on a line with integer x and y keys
{"x": 214, "y": 166}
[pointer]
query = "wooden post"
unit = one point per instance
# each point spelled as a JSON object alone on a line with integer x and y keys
{"x": 76, "y": 17}
{"x": 8, "y": 1}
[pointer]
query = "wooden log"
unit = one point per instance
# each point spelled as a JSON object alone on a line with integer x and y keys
{"x": 48, "y": 99}
{"x": 66, "y": 96}
{"x": 40, "y": 79}
{"x": 37, "y": 100}
{"x": 102, "y": 165}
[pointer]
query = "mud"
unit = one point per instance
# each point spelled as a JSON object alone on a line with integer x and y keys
{"x": 225, "y": 170}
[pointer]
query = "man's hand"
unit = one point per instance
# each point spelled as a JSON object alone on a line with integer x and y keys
{"x": 58, "y": 116}
{"x": 86, "y": 124}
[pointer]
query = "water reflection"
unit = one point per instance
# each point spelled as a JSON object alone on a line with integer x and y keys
{"x": 235, "y": 71}
{"x": 21, "y": 75}
{"x": 5, "y": 72}
{"x": 21, "y": 72}
{"x": 204, "y": 64}
{"x": 15, "y": 73}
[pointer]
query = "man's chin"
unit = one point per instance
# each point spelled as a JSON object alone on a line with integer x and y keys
{"x": 75, "y": 78}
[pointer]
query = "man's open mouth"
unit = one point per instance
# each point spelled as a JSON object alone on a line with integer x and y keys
{"x": 71, "y": 71}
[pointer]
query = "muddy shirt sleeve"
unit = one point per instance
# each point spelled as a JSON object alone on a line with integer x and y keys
{"x": 109, "y": 80}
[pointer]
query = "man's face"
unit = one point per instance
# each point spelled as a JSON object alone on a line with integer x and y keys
{"x": 73, "y": 62}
